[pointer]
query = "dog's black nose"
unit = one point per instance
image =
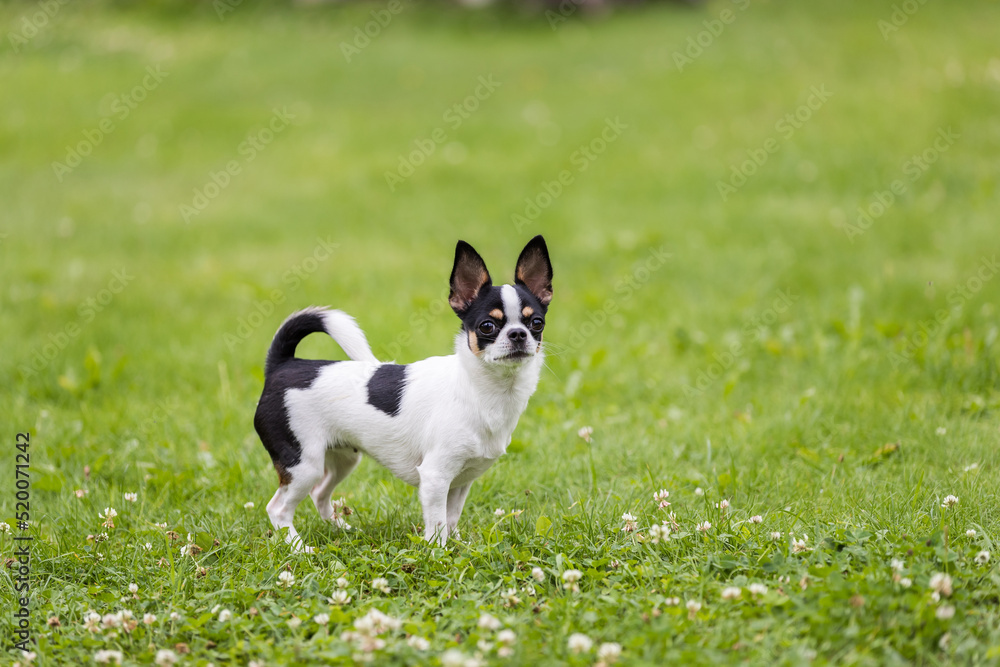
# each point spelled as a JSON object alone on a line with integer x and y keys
{"x": 518, "y": 335}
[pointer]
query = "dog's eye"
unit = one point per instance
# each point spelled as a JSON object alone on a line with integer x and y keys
{"x": 537, "y": 324}
{"x": 487, "y": 328}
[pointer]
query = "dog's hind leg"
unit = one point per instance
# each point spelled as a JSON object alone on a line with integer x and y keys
{"x": 296, "y": 482}
{"x": 339, "y": 464}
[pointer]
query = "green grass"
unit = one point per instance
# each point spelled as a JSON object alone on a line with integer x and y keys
{"x": 698, "y": 376}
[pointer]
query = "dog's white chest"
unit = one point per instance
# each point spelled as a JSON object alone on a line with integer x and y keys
{"x": 473, "y": 469}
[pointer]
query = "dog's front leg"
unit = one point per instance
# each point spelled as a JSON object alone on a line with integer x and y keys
{"x": 436, "y": 475}
{"x": 456, "y": 500}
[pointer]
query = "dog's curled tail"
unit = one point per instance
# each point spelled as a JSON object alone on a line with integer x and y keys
{"x": 339, "y": 325}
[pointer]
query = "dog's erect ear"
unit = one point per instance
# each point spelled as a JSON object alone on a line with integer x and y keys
{"x": 468, "y": 277}
{"x": 534, "y": 270}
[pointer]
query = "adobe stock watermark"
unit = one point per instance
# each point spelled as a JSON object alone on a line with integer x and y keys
{"x": 248, "y": 150}
{"x": 562, "y": 12}
{"x": 901, "y": 14}
{"x": 121, "y": 107}
{"x": 913, "y": 169}
{"x": 698, "y": 43}
{"x": 625, "y": 289}
{"x": 292, "y": 279}
{"x": 49, "y": 350}
{"x": 364, "y": 34}
{"x": 453, "y": 118}
{"x": 957, "y": 298}
{"x": 786, "y": 127}
{"x": 580, "y": 160}
{"x": 32, "y": 24}
{"x": 752, "y": 331}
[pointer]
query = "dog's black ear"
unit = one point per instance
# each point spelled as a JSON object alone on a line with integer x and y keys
{"x": 468, "y": 277}
{"x": 534, "y": 270}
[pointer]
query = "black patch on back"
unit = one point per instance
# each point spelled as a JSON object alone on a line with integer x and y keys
{"x": 271, "y": 419}
{"x": 385, "y": 388}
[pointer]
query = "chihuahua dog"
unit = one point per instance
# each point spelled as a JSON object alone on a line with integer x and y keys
{"x": 437, "y": 424}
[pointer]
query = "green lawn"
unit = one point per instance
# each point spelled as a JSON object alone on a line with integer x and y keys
{"x": 174, "y": 184}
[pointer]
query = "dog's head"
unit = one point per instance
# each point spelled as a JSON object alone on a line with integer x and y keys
{"x": 502, "y": 324}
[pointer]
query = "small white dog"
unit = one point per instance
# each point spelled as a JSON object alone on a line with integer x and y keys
{"x": 437, "y": 424}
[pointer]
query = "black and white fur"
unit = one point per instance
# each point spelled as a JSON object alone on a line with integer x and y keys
{"x": 437, "y": 424}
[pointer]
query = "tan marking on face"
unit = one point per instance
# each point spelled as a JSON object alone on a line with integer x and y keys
{"x": 527, "y": 311}
{"x": 284, "y": 478}
{"x": 496, "y": 314}
{"x": 474, "y": 343}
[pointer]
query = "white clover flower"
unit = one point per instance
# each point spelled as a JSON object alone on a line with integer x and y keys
{"x": 174, "y": 616}
{"x": 609, "y": 652}
{"x": 80, "y": 493}
{"x": 381, "y": 584}
{"x": 586, "y": 432}
{"x": 340, "y": 597}
{"x": 488, "y": 622}
{"x": 248, "y": 505}
{"x": 775, "y": 536}
{"x": 944, "y": 612}
{"x": 579, "y": 643}
{"x": 453, "y": 658}
{"x": 949, "y": 502}
{"x": 722, "y": 504}
{"x": 970, "y": 467}
{"x": 91, "y": 621}
{"x": 757, "y": 589}
{"x": 111, "y": 621}
{"x": 286, "y": 579}
{"x": 941, "y": 584}
{"x": 4, "y": 527}
{"x": 528, "y": 589}
{"x": 982, "y": 558}
{"x": 131, "y": 497}
{"x": 699, "y": 491}
{"x": 659, "y": 532}
{"x": 109, "y": 513}
{"x": 342, "y": 582}
{"x": 133, "y": 589}
{"x": 800, "y": 546}
{"x": 693, "y": 607}
{"x": 499, "y": 512}
{"x": 941, "y": 430}
{"x": 570, "y": 579}
{"x": 225, "y": 615}
{"x": 418, "y": 643}
{"x": 897, "y": 565}
{"x": 660, "y": 497}
{"x": 148, "y": 619}
{"x": 630, "y": 523}
{"x": 506, "y": 637}
{"x": 165, "y": 657}
{"x": 321, "y": 619}
{"x": 294, "y": 622}
{"x": 732, "y": 593}
{"x": 756, "y": 518}
{"x": 147, "y": 546}
{"x": 162, "y": 526}
{"x": 905, "y": 582}
{"x": 672, "y": 602}
{"x": 538, "y": 574}
{"x": 106, "y": 657}
{"x": 970, "y": 533}
{"x": 510, "y": 598}
{"x": 704, "y": 526}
